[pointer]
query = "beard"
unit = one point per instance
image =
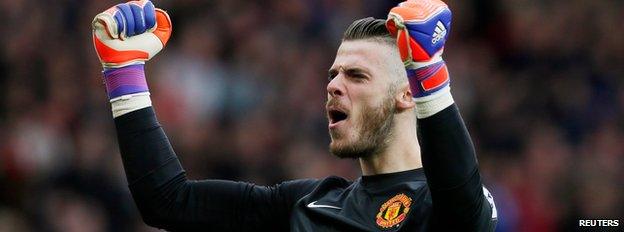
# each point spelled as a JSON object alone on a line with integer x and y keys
{"x": 375, "y": 130}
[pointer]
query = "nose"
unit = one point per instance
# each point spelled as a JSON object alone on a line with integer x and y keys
{"x": 335, "y": 87}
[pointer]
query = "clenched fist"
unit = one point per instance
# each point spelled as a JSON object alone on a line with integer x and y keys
{"x": 421, "y": 28}
{"x": 124, "y": 37}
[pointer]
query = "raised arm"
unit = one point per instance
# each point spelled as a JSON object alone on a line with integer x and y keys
{"x": 125, "y": 37}
{"x": 168, "y": 200}
{"x": 448, "y": 155}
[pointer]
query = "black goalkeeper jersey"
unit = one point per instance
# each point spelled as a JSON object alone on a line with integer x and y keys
{"x": 445, "y": 195}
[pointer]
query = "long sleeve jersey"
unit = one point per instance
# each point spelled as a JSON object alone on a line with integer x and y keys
{"x": 447, "y": 194}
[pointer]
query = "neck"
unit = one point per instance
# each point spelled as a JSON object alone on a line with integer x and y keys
{"x": 401, "y": 154}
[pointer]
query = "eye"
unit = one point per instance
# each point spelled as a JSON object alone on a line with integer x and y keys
{"x": 332, "y": 74}
{"x": 355, "y": 74}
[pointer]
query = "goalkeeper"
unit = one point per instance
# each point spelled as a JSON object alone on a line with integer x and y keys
{"x": 387, "y": 77}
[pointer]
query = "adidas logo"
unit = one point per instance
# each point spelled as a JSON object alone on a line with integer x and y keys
{"x": 438, "y": 33}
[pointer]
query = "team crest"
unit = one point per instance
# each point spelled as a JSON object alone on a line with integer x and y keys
{"x": 394, "y": 211}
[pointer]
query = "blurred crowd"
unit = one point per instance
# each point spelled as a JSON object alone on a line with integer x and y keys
{"x": 240, "y": 91}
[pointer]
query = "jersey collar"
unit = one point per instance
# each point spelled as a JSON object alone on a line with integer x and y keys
{"x": 388, "y": 179}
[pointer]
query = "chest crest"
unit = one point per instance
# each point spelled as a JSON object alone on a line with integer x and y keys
{"x": 393, "y": 211}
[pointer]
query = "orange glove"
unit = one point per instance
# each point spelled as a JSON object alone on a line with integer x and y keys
{"x": 124, "y": 37}
{"x": 421, "y": 28}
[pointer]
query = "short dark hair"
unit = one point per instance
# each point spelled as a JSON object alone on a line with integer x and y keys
{"x": 368, "y": 28}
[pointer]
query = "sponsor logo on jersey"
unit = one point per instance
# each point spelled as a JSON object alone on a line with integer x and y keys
{"x": 314, "y": 205}
{"x": 394, "y": 211}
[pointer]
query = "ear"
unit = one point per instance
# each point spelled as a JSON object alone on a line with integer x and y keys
{"x": 403, "y": 98}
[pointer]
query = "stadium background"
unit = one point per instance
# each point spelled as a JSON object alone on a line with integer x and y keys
{"x": 240, "y": 90}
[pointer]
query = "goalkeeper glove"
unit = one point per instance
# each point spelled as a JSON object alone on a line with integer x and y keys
{"x": 124, "y": 37}
{"x": 421, "y": 28}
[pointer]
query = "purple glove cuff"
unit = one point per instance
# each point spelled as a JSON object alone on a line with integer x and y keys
{"x": 428, "y": 80}
{"x": 124, "y": 81}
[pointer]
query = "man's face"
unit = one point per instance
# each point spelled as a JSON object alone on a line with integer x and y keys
{"x": 360, "y": 98}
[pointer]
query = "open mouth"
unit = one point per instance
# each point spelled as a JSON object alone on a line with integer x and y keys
{"x": 336, "y": 116}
